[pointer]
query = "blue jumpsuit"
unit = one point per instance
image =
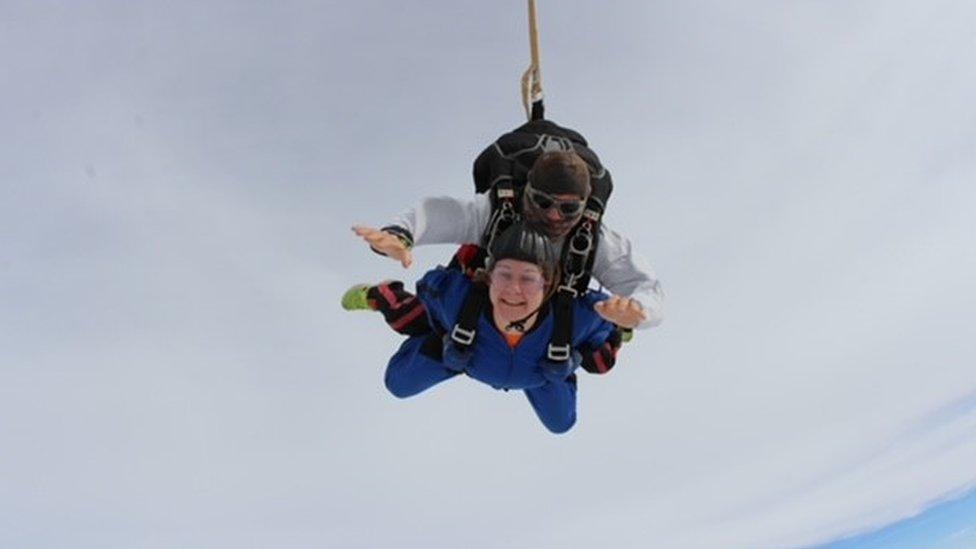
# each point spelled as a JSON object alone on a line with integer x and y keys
{"x": 421, "y": 362}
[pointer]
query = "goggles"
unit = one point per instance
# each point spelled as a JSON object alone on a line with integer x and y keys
{"x": 567, "y": 207}
{"x": 531, "y": 283}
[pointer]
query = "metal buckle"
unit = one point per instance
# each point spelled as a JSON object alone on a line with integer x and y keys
{"x": 587, "y": 246}
{"x": 585, "y": 235}
{"x": 558, "y": 354}
{"x": 462, "y": 336}
{"x": 570, "y": 290}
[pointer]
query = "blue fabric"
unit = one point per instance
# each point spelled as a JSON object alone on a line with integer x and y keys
{"x": 550, "y": 387}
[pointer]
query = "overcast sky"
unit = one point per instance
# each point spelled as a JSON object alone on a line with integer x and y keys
{"x": 177, "y": 183}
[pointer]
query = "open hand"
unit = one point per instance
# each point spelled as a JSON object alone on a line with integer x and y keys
{"x": 386, "y": 243}
{"x": 622, "y": 311}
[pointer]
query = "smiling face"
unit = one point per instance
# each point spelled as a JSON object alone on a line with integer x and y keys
{"x": 516, "y": 289}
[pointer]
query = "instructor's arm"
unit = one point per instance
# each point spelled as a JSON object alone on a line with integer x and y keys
{"x": 436, "y": 220}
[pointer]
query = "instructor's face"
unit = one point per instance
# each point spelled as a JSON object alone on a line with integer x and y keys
{"x": 552, "y": 221}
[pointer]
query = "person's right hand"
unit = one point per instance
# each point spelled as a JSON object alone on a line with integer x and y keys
{"x": 385, "y": 243}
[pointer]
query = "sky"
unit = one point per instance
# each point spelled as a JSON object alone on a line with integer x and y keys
{"x": 177, "y": 183}
{"x": 947, "y": 525}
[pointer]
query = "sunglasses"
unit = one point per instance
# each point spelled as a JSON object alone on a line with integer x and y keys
{"x": 544, "y": 201}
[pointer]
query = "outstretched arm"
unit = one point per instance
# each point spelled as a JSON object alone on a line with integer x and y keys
{"x": 446, "y": 220}
{"x": 436, "y": 220}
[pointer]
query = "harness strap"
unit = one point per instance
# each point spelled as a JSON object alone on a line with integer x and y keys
{"x": 504, "y": 211}
{"x": 580, "y": 252}
{"x": 561, "y": 344}
{"x": 466, "y": 329}
{"x": 580, "y": 248}
{"x": 538, "y": 110}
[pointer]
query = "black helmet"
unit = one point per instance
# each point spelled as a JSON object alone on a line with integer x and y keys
{"x": 523, "y": 243}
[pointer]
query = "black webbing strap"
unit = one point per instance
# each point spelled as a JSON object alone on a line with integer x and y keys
{"x": 538, "y": 111}
{"x": 581, "y": 244}
{"x": 504, "y": 208}
{"x": 502, "y": 217}
{"x": 466, "y": 329}
{"x": 561, "y": 344}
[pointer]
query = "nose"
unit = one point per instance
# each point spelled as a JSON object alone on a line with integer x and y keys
{"x": 552, "y": 214}
{"x": 514, "y": 288}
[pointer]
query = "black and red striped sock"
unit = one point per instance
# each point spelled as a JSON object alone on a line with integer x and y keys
{"x": 402, "y": 310}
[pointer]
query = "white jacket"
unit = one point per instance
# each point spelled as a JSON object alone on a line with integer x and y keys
{"x": 447, "y": 220}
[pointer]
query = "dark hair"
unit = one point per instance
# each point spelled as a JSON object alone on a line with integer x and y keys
{"x": 560, "y": 172}
{"x": 523, "y": 243}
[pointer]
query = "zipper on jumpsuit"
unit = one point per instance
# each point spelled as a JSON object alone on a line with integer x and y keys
{"x": 511, "y": 365}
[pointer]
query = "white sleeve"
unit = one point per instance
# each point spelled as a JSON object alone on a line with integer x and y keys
{"x": 446, "y": 220}
{"x": 622, "y": 272}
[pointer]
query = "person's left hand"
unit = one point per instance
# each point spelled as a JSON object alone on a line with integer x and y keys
{"x": 622, "y": 311}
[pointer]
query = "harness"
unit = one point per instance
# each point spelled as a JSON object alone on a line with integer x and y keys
{"x": 501, "y": 171}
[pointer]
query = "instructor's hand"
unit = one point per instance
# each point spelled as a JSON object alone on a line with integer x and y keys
{"x": 622, "y": 311}
{"x": 385, "y": 243}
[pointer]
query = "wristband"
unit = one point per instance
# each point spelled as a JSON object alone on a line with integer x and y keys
{"x": 404, "y": 235}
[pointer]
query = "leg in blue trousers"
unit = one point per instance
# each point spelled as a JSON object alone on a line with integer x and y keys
{"x": 555, "y": 404}
{"x": 412, "y": 370}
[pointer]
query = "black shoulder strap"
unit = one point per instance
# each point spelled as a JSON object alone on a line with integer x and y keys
{"x": 579, "y": 250}
{"x": 504, "y": 205}
{"x": 504, "y": 210}
{"x": 561, "y": 344}
{"x": 466, "y": 329}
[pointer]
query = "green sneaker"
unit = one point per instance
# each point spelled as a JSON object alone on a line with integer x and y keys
{"x": 355, "y": 298}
